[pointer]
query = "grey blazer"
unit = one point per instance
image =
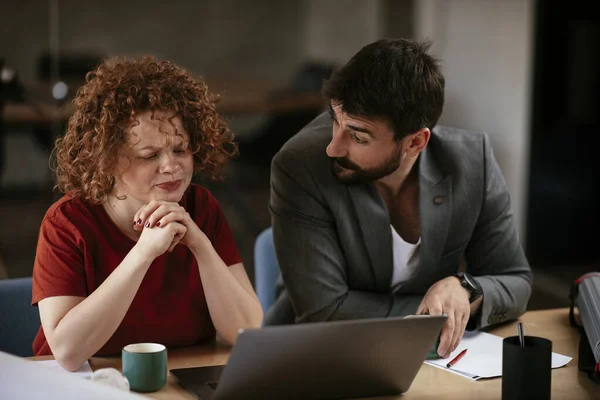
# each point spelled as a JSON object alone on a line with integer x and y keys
{"x": 334, "y": 242}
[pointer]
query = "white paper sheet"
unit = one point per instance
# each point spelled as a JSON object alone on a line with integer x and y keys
{"x": 85, "y": 371}
{"x": 483, "y": 358}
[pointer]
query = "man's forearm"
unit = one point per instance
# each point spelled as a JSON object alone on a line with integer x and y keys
{"x": 505, "y": 298}
{"x": 359, "y": 305}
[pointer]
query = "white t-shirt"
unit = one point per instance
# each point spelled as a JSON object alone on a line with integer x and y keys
{"x": 406, "y": 259}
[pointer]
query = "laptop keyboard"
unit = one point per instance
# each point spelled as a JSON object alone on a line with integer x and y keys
{"x": 213, "y": 385}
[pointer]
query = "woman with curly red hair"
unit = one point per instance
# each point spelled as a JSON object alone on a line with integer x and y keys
{"x": 134, "y": 252}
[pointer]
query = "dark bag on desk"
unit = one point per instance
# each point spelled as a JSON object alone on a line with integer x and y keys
{"x": 585, "y": 295}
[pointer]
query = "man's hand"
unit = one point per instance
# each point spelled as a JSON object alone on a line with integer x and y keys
{"x": 447, "y": 296}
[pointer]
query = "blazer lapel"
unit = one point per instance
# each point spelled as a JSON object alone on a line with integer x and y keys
{"x": 435, "y": 211}
{"x": 374, "y": 220}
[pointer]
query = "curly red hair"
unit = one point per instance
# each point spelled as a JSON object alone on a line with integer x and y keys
{"x": 105, "y": 109}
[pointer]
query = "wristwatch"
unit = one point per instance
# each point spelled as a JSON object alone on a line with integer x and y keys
{"x": 468, "y": 282}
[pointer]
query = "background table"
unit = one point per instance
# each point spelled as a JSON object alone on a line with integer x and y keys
{"x": 237, "y": 97}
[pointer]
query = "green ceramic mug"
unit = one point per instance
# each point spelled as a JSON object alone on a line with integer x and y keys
{"x": 145, "y": 366}
{"x": 433, "y": 354}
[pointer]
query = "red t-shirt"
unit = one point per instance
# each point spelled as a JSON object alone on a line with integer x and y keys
{"x": 79, "y": 246}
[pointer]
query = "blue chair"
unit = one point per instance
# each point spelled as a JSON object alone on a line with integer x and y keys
{"x": 19, "y": 320}
{"x": 266, "y": 268}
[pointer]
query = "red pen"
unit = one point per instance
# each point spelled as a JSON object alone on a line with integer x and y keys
{"x": 455, "y": 359}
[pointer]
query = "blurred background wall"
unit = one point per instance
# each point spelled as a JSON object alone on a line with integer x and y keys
{"x": 256, "y": 38}
{"x": 486, "y": 48}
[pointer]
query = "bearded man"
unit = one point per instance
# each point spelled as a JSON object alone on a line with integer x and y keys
{"x": 377, "y": 212}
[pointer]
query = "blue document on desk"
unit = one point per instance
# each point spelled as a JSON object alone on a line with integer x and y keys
{"x": 484, "y": 357}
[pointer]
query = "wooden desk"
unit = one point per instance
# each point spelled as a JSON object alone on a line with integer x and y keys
{"x": 567, "y": 382}
{"x": 430, "y": 382}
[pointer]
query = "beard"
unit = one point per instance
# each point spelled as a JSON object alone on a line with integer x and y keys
{"x": 350, "y": 173}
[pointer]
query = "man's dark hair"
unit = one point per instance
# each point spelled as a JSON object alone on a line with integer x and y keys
{"x": 392, "y": 79}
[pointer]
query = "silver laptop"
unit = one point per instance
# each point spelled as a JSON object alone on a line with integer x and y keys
{"x": 325, "y": 360}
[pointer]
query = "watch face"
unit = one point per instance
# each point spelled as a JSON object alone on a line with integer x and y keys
{"x": 468, "y": 280}
{"x": 469, "y": 283}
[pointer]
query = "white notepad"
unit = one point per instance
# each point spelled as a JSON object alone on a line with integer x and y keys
{"x": 85, "y": 371}
{"x": 483, "y": 358}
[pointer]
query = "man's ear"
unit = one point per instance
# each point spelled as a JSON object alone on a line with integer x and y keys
{"x": 417, "y": 141}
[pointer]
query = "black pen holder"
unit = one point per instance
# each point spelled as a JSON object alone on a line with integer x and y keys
{"x": 526, "y": 370}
